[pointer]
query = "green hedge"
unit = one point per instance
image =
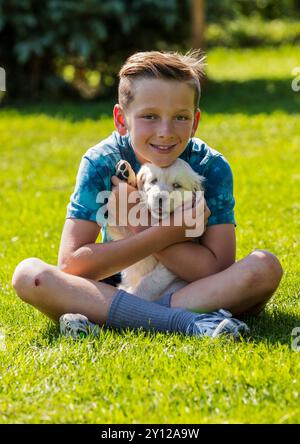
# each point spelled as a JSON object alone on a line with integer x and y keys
{"x": 39, "y": 37}
{"x": 59, "y": 47}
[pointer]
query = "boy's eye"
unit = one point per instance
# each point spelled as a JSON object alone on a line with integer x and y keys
{"x": 149, "y": 117}
{"x": 176, "y": 185}
{"x": 153, "y": 181}
{"x": 182, "y": 118}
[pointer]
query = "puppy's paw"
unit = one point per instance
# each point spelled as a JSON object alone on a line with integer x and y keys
{"x": 125, "y": 172}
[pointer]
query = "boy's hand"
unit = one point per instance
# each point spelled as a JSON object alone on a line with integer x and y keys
{"x": 189, "y": 221}
{"x": 121, "y": 190}
{"x": 116, "y": 182}
{"x": 207, "y": 214}
{"x": 189, "y": 213}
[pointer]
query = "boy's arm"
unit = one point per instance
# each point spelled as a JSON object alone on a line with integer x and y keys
{"x": 192, "y": 261}
{"x": 81, "y": 256}
{"x": 217, "y": 248}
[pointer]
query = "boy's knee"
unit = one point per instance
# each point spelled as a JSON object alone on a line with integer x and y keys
{"x": 266, "y": 269}
{"x": 28, "y": 275}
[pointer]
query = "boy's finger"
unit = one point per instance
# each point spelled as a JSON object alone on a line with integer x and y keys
{"x": 200, "y": 203}
{"x": 115, "y": 180}
{"x": 207, "y": 211}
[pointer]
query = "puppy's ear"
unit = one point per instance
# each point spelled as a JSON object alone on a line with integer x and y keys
{"x": 198, "y": 183}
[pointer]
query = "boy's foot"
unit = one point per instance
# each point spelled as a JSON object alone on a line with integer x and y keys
{"x": 217, "y": 323}
{"x": 212, "y": 324}
{"x": 77, "y": 326}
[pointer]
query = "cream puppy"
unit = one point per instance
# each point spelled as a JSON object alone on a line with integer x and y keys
{"x": 161, "y": 191}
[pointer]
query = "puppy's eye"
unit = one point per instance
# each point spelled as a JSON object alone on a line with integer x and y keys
{"x": 153, "y": 181}
{"x": 176, "y": 185}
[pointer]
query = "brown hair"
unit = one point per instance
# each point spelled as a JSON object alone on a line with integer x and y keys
{"x": 161, "y": 65}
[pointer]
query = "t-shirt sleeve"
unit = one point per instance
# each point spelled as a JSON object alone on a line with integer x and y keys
{"x": 85, "y": 202}
{"x": 219, "y": 192}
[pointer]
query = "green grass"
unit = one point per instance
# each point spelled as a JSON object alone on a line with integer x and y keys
{"x": 138, "y": 377}
{"x": 253, "y": 31}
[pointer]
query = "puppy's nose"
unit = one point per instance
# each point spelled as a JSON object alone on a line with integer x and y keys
{"x": 161, "y": 200}
{"x": 162, "y": 197}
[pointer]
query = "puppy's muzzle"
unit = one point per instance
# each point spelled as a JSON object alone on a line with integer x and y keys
{"x": 161, "y": 203}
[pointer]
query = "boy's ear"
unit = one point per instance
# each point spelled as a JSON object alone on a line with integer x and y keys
{"x": 119, "y": 120}
{"x": 196, "y": 122}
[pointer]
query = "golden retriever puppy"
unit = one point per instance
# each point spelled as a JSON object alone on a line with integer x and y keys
{"x": 161, "y": 191}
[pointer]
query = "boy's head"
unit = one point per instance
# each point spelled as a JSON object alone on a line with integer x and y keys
{"x": 158, "y": 103}
{"x": 160, "y": 65}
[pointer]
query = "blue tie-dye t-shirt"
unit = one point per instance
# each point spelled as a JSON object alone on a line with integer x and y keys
{"x": 98, "y": 166}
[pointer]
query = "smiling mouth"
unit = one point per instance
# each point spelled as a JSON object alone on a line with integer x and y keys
{"x": 163, "y": 148}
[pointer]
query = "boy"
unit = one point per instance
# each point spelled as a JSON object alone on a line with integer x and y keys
{"x": 156, "y": 119}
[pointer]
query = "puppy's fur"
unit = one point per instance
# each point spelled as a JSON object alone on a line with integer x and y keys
{"x": 148, "y": 278}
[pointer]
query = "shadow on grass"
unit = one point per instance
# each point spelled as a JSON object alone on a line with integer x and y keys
{"x": 275, "y": 327}
{"x": 227, "y": 97}
{"x": 49, "y": 334}
{"x": 73, "y": 111}
{"x": 250, "y": 97}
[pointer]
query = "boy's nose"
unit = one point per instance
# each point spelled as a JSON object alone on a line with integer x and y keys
{"x": 165, "y": 129}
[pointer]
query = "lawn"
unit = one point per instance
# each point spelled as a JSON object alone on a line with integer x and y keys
{"x": 252, "y": 116}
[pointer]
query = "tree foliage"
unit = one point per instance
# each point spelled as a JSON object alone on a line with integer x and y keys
{"x": 39, "y": 39}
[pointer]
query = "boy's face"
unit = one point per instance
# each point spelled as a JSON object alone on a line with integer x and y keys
{"x": 160, "y": 120}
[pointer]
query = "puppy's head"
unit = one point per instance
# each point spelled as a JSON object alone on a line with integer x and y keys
{"x": 165, "y": 189}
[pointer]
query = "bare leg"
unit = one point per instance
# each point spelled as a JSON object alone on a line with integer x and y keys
{"x": 243, "y": 288}
{"x": 54, "y": 292}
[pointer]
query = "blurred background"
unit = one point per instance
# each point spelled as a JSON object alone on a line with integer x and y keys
{"x": 73, "y": 49}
